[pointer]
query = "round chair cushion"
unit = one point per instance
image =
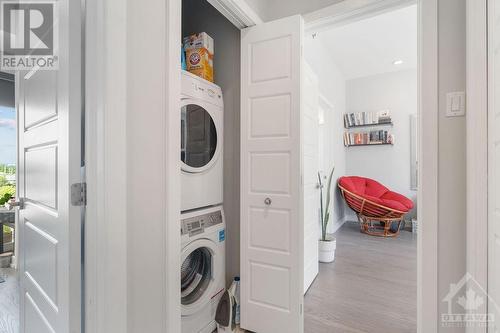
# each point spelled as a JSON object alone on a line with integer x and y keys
{"x": 375, "y": 192}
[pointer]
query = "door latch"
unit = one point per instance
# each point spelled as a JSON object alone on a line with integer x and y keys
{"x": 79, "y": 194}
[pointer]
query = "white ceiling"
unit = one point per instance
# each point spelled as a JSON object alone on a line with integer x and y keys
{"x": 269, "y": 10}
{"x": 370, "y": 46}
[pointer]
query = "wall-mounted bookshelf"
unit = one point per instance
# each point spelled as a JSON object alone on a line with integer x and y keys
{"x": 364, "y": 119}
{"x": 368, "y": 138}
{"x": 370, "y": 125}
{"x": 370, "y": 144}
{"x": 377, "y": 133}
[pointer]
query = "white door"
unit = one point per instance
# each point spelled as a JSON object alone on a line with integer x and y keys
{"x": 310, "y": 155}
{"x": 494, "y": 164}
{"x": 49, "y": 154}
{"x": 272, "y": 230}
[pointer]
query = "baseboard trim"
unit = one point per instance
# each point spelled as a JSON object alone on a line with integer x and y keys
{"x": 334, "y": 227}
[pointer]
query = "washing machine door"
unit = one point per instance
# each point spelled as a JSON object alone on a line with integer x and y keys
{"x": 201, "y": 135}
{"x": 200, "y": 270}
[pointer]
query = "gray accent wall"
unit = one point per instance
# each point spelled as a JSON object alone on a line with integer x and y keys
{"x": 200, "y": 16}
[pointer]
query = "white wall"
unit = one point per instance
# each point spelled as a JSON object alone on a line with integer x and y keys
{"x": 332, "y": 86}
{"x": 396, "y": 92}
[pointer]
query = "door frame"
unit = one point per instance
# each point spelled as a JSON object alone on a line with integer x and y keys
{"x": 349, "y": 11}
{"x": 107, "y": 24}
{"x": 105, "y": 271}
{"x": 477, "y": 149}
{"x": 112, "y": 300}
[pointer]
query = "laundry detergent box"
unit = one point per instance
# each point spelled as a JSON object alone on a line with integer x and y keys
{"x": 200, "y": 63}
{"x": 200, "y": 55}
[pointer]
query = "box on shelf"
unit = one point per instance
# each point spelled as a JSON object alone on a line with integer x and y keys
{"x": 199, "y": 50}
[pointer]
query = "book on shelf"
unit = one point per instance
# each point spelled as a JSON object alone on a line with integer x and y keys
{"x": 364, "y": 118}
{"x": 368, "y": 138}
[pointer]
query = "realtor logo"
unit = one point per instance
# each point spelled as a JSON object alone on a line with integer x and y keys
{"x": 29, "y": 35}
{"x": 467, "y": 303}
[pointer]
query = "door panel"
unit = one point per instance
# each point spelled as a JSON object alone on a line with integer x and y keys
{"x": 34, "y": 318}
{"x": 494, "y": 164}
{"x": 310, "y": 132}
{"x": 270, "y": 172}
{"x": 271, "y": 193}
{"x": 40, "y": 98}
{"x": 270, "y": 117}
{"x": 40, "y": 166}
{"x": 270, "y": 229}
{"x": 49, "y": 154}
{"x": 41, "y": 261}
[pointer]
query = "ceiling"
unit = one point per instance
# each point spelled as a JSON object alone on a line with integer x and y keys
{"x": 269, "y": 10}
{"x": 370, "y": 46}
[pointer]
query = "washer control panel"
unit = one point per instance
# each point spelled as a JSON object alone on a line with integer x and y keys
{"x": 196, "y": 225}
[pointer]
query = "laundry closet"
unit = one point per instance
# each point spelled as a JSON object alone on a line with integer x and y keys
{"x": 269, "y": 159}
{"x": 200, "y": 16}
{"x": 210, "y": 156}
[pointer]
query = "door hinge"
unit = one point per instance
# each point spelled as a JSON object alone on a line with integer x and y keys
{"x": 79, "y": 194}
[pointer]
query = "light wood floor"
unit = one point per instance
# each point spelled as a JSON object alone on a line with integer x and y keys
{"x": 371, "y": 287}
{"x": 9, "y": 302}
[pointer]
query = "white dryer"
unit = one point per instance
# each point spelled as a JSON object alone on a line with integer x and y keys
{"x": 203, "y": 268}
{"x": 202, "y": 120}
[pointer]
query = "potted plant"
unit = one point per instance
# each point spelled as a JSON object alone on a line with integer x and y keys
{"x": 327, "y": 243}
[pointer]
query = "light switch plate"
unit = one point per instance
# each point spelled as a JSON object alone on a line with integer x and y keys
{"x": 455, "y": 104}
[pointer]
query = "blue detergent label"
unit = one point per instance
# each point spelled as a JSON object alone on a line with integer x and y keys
{"x": 222, "y": 235}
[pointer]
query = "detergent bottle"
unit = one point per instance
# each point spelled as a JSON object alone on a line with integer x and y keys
{"x": 235, "y": 291}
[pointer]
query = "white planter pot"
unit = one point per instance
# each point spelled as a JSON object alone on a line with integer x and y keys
{"x": 327, "y": 250}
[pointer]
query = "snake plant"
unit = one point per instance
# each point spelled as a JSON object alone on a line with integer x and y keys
{"x": 325, "y": 209}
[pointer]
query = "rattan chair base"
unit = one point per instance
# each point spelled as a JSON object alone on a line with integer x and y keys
{"x": 368, "y": 226}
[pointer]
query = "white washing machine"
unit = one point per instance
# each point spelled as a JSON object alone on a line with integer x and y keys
{"x": 203, "y": 268}
{"x": 202, "y": 120}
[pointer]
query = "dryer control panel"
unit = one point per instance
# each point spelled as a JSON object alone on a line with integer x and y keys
{"x": 196, "y": 87}
{"x": 196, "y": 225}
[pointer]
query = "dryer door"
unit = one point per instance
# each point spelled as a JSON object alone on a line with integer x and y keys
{"x": 200, "y": 270}
{"x": 200, "y": 136}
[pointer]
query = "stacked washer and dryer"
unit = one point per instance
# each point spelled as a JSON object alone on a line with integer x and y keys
{"x": 202, "y": 216}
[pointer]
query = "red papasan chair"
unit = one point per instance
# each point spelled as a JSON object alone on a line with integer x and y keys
{"x": 373, "y": 202}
